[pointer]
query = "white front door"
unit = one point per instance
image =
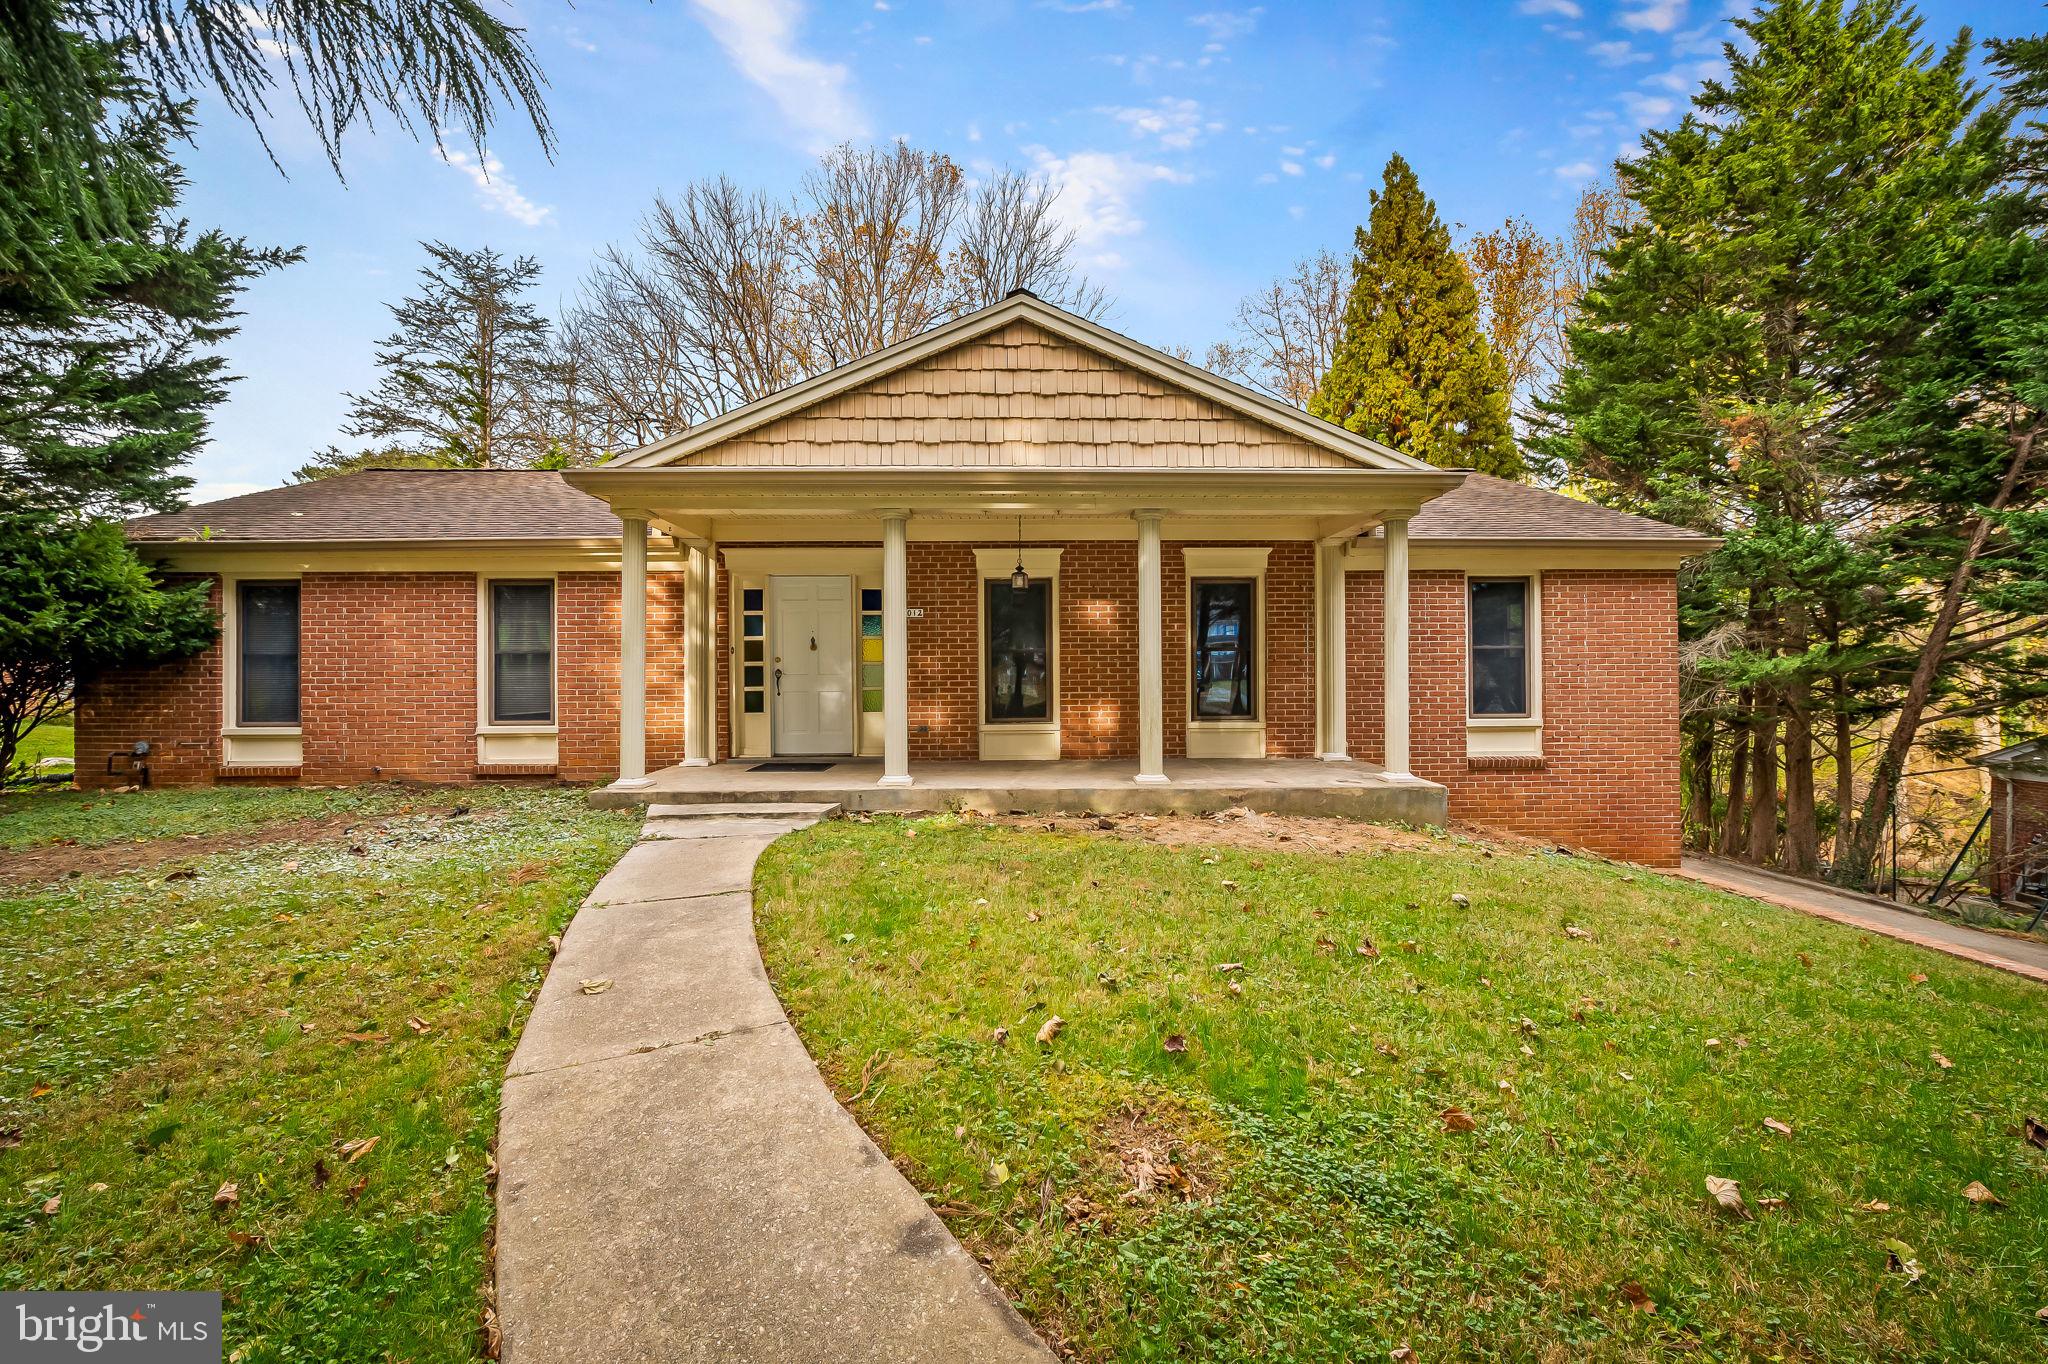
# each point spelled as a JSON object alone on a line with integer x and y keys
{"x": 811, "y": 619}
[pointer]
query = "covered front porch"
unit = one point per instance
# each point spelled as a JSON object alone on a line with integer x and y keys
{"x": 1289, "y": 786}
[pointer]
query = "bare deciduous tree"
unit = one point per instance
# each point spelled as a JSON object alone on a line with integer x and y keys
{"x": 1515, "y": 270}
{"x": 729, "y": 295}
{"x": 1287, "y": 332}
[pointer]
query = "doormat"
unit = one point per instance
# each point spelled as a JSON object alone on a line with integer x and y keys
{"x": 791, "y": 767}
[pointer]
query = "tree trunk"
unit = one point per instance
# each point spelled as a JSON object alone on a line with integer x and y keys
{"x": 1763, "y": 786}
{"x": 1855, "y": 868}
{"x": 1802, "y": 827}
{"x": 1730, "y": 841}
{"x": 1699, "y": 807}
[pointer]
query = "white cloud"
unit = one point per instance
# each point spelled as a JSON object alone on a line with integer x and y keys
{"x": 760, "y": 37}
{"x": 1290, "y": 167}
{"x": 1099, "y": 196}
{"x": 1617, "y": 53}
{"x": 1327, "y": 160}
{"x": 203, "y": 491}
{"x": 1647, "y": 110}
{"x": 1295, "y": 211}
{"x": 496, "y": 190}
{"x": 1564, "y": 9}
{"x": 1655, "y": 16}
{"x": 1224, "y": 25}
{"x": 974, "y": 132}
{"x": 1577, "y": 170}
{"x": 1082, "y": 6}
{"x": 1177, "y": 123}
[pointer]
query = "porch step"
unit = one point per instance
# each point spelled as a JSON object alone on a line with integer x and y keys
{"x": 766, "y": 809}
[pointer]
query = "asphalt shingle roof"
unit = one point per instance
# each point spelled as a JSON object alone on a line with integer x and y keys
{"x": 535, "y": 504}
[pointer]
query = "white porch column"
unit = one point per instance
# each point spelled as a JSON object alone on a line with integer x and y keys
{"x": 895, "y": 648}
{"x": 1330, "y": 662}
{"x": 700, "y": 676}
{"x": 1396, "y": 633}
{"x": 633, "y": 649}
{"x": 1151, "y": 643}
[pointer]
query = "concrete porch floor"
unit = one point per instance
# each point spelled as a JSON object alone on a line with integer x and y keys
{"x": 1281, "y": 786}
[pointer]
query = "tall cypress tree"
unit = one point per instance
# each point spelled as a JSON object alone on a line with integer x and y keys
{"x": 1413, "y": 368}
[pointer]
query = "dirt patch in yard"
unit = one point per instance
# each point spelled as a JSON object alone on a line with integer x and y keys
{"x": 1239, "y": 827}
{"x": 56, "y": 861}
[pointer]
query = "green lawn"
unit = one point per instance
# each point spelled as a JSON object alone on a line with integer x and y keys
{"x": 163, "y": 1035}
{"x": 1617, "y": 1036}
{"x": 51, "y": 740}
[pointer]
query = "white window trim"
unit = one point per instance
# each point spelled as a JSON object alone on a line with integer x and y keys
{"x": 484, "y": 723}
{"x": 1020, "y": 740}
{"x": 1507, "y": 736}
{"x": 1235, "y": 736}
{"x": 231, "y": 726}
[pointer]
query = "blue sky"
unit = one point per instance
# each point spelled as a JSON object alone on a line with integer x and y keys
{"x": 1200, "y": 148}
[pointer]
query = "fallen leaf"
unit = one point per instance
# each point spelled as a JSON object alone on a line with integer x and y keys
{"x": 1401, "y": 1354}
{"x": 182, "y": 874}
{"x": 1783, "y": 1129}
{"x": 1874, "y": 1205}
{"x": 1175, "y": 1043}
{"x": 1228, "y": 966}
{"x": 1919, "y": 977}
{"x": 1235, "y": 988}
{"x": 1051, "y": 1029}
{"x": 1461, "y": 900}
{"x": 419, "y": 1025}
{"x": 1898, "y": 1258}
{"x": 96, "y": 1188}
{"x": 378, "y": 1037}
{"x": 594, "y": 987}
{"x": 360, "y": 1147}
{"x": 9, "y": 1136}
{"x": 55, "y": 1202}
{"x": 247, "y": 1240}
{"x": 226, "y": 1194}
{"x": 1942, "y": 1061}
{"x": 554, "y": 944}
{"x": 1981, "y": 1196}
{"x": 1638, "y": 1297}
{"x": 2034, "y": 1129}
{"x": 1458, "y": 1120}
{"x": 319, "y": 1172}
{"x": 355, "y": 1190}
{"x": 1325, "y": 946}
{"x": 38, "y": 1091}
{"x": 1000, "y": 1036}
{"x": 1410, "y": 946}
{"x": 1574, "y": 931}
{"x": 1771, "y": 1203}
{"x": 1366, "y": 949}
{"x": 1727, "y": 1195}
{"x": 1805, "y": 960}
{"x": 291, "y": 864}
{"x": 1713, "y": 1044}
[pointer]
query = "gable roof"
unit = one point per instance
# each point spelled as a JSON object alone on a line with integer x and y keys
{"x": 456, "y": 505}
{"x": 394, "y": 504}
{"x": 1348, "y": 448}
{"x": 2028, "y": 759}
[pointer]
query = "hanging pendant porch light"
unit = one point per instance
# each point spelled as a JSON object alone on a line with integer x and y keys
{"x": 1020, "y": 581}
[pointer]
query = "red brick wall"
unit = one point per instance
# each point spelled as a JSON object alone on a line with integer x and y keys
{"x": 945, "y": 653}
{"x": 2025, "y": 804}
{"x": 587, "y": 672}
{"x": 1608, "y": 779}
{"x": 176, "y": 707}
{"x": 1097, "y": 669}
{"x": 387, "y": 676}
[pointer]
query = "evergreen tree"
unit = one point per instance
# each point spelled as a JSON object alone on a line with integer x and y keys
{"x": 1413, "y": 368}
{"x": 460, "y": 374}
{"x": 1733, "y": 370}
{"x": 105, "y": 382}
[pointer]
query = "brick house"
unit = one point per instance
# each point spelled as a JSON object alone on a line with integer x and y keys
{"x": 1018, "y": 538}
{"x": 2018, "y": 823}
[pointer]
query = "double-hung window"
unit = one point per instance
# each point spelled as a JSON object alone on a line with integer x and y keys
{"x": 1224, "y": 639}
{"x": 522, "y": 637}
{"x": 1019, "y": 625}
{"x": 267, "y": 663}
{"x": 1499, "y": 614}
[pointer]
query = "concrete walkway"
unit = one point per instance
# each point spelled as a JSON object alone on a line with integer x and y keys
{"x": 676, "y": 1182}
{"x": 2017, "y": 955}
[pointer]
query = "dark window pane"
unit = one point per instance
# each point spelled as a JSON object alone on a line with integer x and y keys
{"x": 522, "y": 653}
{"x": 754, "y": 675}
{"x": 751, "y": 626}
{"x": 268, "y": 627}
{"x": 1224, "y": 635}
{"x": 1500, "y": 647}
{"x": 1499, "y": 613}
{"x": 750, "y": 599}
{"x": 871, "y": 599}
{"x": 754, "y": 702}
{"x": 1019, "y": 680}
